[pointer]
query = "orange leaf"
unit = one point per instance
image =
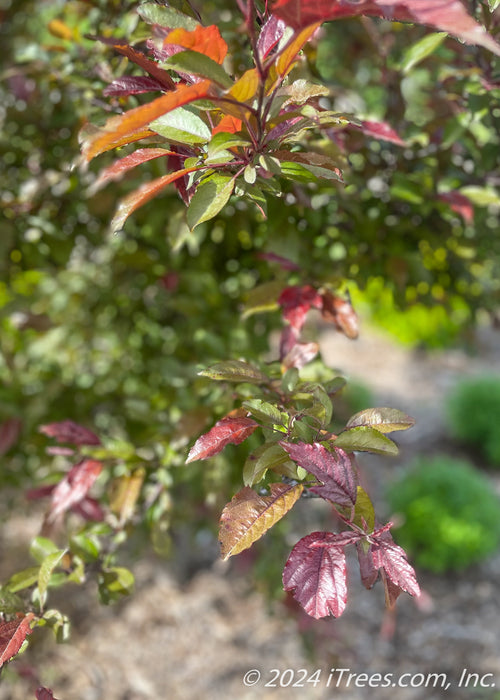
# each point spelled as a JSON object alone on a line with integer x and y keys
{"x": 123, "y": 165}
{"x": 205, "y": 40}
{"x": 288, "y": 56}
{"x": 248, "y": 516}
{"x": 117, "y": 130}
{"x": 143, "y": 194}
{"x": 228, "y": 124}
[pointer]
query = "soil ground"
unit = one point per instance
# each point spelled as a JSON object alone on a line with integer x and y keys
{"x": 188, "y": 638}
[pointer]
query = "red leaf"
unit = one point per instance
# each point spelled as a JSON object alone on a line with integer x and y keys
{"x": 44, "y": 694}
{"x": 230, "y": 430}
{"x": 316, "y": 575}
{"x": 89, "y": 509}
{"x": 338, "y": 310}
{"x": 289, "y": 338}
{"x": 392, "y": 559}
{"x": 132, "y": 85}
{"x": 146, "y": 64}
{"x": 205, "y": 40}
{"x": 333, "y": 469}
{"x": 123, "y": 165}
{"x": 74, "y": 487}
{"x": 444, "y": 15}
{"x": 9, "y": 433}
{"x": 296, "y": 302}
{"x": 12, "y": 636}
{"x": 368, "y": 570}
{"x": 270, "y": 35}
{"x": 284, "y": 263}
{"x": 68, "y": 431}
{"x": 380, "y": 130}
{"x": 460, "y": 204}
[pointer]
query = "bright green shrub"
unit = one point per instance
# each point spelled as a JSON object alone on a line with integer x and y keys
{"x": 474, "y": 415}
{"x": 451, "y": 515}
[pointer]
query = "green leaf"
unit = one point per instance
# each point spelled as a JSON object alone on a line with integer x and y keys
{"x": 85, "y": 546}
{"x": 115, "y": 583}
{"x": 482, "y": 196}
{"x": 210, "y": 197}
{"x": 363, "y": 510}
{"x": 423, "y": 48}
{"x": 250, "y": 174}
{"x": 269, "y": 456}
{"x": 365, "y": 439}
{"x": 182, "y": 125}
{"x": 152, "y": 13}
{"x": 385, "y": 420}
{"x": 9, "y": 602}
{"x": 223, "y": 140}
{"x": 234, "y": 371}
{"x": 196, "y": 63}
{"x": 493, "y": 4}
{"x": 41, "y": 547}
{"x": 58, "y": 623}
{"x": 265, "y": 412}
{"x": 22, "y": 579}
{"x": 290, "y": 380}
{"x": 321, "y": 407}
{"x": 45, "y": 573}
{"x": 335, "y": 385}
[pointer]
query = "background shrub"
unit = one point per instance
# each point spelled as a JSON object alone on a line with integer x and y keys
{"x": 473, "y": 411}
{"x": 450, "y": 514}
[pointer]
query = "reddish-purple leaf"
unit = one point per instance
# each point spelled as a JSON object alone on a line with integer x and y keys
{"x": 117, "y": 169}
{"x": 230, "y": 430}
{"x": 44, "y": 694}
{"x": 270, "y": 35}
{"x": 89, "y": 509}
{"x": 278, "y": 132}
{"x": 40, "y": 492}
{"x": 55, "y": 451}
{"x": 12, "y": 636}
{"x": 368, "y": 570}
{"x": 151, "y": 67}
{"x": 444, "y": 15}
{"x": 316, "y": 575}
{"x": 381, "y": 131}
{"x": 300, "y": 355}
{"x": 69, "y": 431}
{"x": 9, "y": 432}
{"x": 296, "y": 302}
{"x": 338, "y": 310}
{"x": 132, "y": 85}
{"x": 73, "y": 488}
{"x": 460, "y": 204}
{"x": 284, "y": 263}
{"x": 289, "y": 338}
{"x": 392, "y": 559}
{"x": 333, "y": 468}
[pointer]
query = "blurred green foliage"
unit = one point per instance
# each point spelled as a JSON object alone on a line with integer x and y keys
{"x": 473, "y": 409}
{"x": 449, "y": 512}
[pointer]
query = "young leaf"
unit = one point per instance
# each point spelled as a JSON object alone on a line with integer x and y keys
{"x": 445, "y": 15}
{"x": 74, "y": 487}
{"x": 121, "y": 127}
{"x": 392, "y": 559}
{"x": 316, "y": 575}
{"x": 334, "y": 469}
{"x": 248, "y": 516}
{"x": 365, "y": 439}
{"x": 12, "y": 636}
{"x": 270, "y": 35}
{"x": 385, "y": 420}
{"x": 234, "y": 371}
{"x": 210, "y": 197}
{"x": 69, "y": 431}
{"x": 144, "y": 194}
{"x": 364, "y": 514}
{"x": 230, "y": 430}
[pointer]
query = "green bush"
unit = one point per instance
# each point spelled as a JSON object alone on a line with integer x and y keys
{"x": 450, "y": 514}
{"x": 473, "y": 411}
